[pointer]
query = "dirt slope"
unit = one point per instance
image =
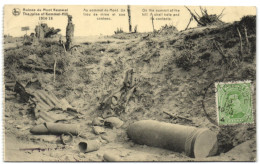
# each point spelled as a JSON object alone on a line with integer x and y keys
{"x": 174, "y": 73}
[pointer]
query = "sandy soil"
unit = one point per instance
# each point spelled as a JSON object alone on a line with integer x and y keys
{"x": 96, "y": 68}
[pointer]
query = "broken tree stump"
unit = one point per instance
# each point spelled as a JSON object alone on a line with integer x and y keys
{"x": 43, "y": 31}
{"x": 69, "y": 33}
{"x": 39, "y": 32}
{"x": 129, "y": 18}
{"x": 152, "y": 22}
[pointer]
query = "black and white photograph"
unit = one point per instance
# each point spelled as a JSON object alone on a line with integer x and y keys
{"x": 129, "y": 83}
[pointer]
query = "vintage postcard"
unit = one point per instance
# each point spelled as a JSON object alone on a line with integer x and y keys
{"x": 129, "y": 83}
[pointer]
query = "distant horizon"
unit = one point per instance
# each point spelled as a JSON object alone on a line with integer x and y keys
{"x": 89, "y": 25}
{"x": 98, "y": 35}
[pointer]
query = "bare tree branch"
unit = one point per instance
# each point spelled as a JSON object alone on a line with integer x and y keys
{"x": 195, "y": 17}
{"x": 241, "y": 44}
{"x": 201, "y": 10}
{"x": 196, "y": 13}
{"x": 191, "y": 18}
{"x": 247, "y": 41}
{"x": 221, "y": 14}
{"x": 206, "y": 11}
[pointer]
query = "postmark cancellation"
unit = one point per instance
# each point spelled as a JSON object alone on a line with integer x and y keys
{"x": 234, "y": 102}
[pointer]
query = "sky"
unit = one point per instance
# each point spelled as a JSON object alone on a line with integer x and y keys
{"x": 89, "y": 25}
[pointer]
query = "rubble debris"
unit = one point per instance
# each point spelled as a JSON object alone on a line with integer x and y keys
{"x": 167, "y": 30}
{"x": 45, "y": 101}
{"x": 30, "y": 67}
{"x": 109, "y": 157}
{"x": 64, "y": 139}
{"x": 20, "y": 90}
{"x": 40, "y": 100}
{"x": 55, "y": 128}
{"x": 98, "y": 121}
{"x": 34, "y": 84}
{"x": 119, "y": 99}
{"x": 35, "y": 63}
{"x": 109, "y": 136}
{"x": 40, "y": 149}
{"x": 106, "y": 137}
{"x": 145, "y": 37}
{"x": 44, "y": 138}
{"x": 195, "y": 142}
{"x": 176, "y": 116}
{"x": 43, "y": 31}
{"x": 89, "y": 146}
{"x": 98, "y": 130}
{"x": 8, "y": 92}
{"x": 46, "y": 117}
{"x": 9, "y": 95}
{"x": 9, "y": 85}
{"x": 112, "y": 122}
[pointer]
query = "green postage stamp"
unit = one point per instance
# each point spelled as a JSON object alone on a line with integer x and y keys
{"x": 234, "y": 103}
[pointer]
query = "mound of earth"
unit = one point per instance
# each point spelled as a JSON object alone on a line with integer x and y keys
{"x": 172, "y": 72}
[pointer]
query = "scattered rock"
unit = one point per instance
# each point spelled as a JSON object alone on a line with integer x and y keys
{"x": 98, "y": 130}
{"x": 10, "y": 121}
{"x": 98, "y": 121}
{"x": 109, "y": 157}
{"x": 109, "y": 136}
{"x": 81, "y": 155}
{"x": 18, "y": 126}
{"x": 112, "y": 122}
{"x": 66, "y": 138}
{"x": 242, "y": 152}
{"x": 7, "y": 114}
{"x": 45, "y": 138}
